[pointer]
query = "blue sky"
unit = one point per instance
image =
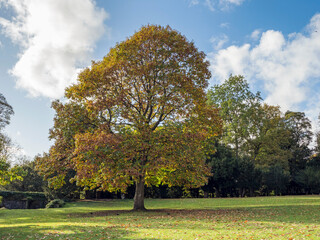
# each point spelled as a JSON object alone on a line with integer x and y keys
{"x": 44, "y": 44}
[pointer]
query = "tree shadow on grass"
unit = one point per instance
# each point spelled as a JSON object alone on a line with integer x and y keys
{"x": 164, "y": 211}
{"x": 308, "y": 214}
{"x": 34, "y": 231}
{"x": 222, "y": 221}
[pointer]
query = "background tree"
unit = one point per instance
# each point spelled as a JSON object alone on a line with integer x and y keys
{"x": 309, "y": 177}
{"x": 5, "y": 112}
{"x": 300, "y": 137}
{"x": 271, "y": 143}
{"x": 224, "y": 167}
{"x": 232, "y": 176}
{"x": 305, "y": 168}
{"x": 249, "y": 179}
{"x": 268, "y": 140}
{"x": 237, "y": 105}
{"x": 31, "y": 181}
{"x": 317, "y": 135}
{"x": 275, "y": 178}
{"x": 7, "y": 173}
{"x": 147, "y": 102}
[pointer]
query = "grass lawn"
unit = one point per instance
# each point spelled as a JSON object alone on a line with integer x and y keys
{"x": 233, "y": 218}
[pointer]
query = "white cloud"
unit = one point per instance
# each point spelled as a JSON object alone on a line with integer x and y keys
{"x": 255, "y": 34}
{"x": 230, "y": 60}
{"x": 287, "y": 68}
{"x": 219, "y": 42}
{"x": 225, "y": 25}
{"x": 212, "y": 5}
{"x": 235, "y": 2}
{"x": 194, "y": 2}
{"x": 56, "y": 36}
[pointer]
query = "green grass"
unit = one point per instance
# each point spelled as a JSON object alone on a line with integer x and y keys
{"x": 232, "y": 218}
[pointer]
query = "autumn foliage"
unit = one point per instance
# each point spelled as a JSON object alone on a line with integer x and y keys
{"x": 138, "y": 116}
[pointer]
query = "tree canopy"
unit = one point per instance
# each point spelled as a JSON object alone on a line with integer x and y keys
{"x": 138, "y": 116}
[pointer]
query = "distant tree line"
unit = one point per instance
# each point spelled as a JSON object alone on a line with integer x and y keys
{"x": 261, "y": 151}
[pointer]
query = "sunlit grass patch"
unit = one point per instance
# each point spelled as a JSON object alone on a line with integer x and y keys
{"x": 246, "y": 218}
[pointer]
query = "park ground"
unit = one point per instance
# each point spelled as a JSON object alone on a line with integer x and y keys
{"x": 290, "y": 217}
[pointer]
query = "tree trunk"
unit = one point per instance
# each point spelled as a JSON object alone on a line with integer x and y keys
{"x": 251, "y": 193}
{"x": 139, "y": 195}
{"x": 205, "y": 194}
{"x": 218, "y": 195}
{"x": 243, "y": 192}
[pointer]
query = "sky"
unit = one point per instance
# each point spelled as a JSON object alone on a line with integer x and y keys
{"x": 44, "y": 44}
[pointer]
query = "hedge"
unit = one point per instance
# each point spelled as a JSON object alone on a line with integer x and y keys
{"x": 12, "y": 195}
